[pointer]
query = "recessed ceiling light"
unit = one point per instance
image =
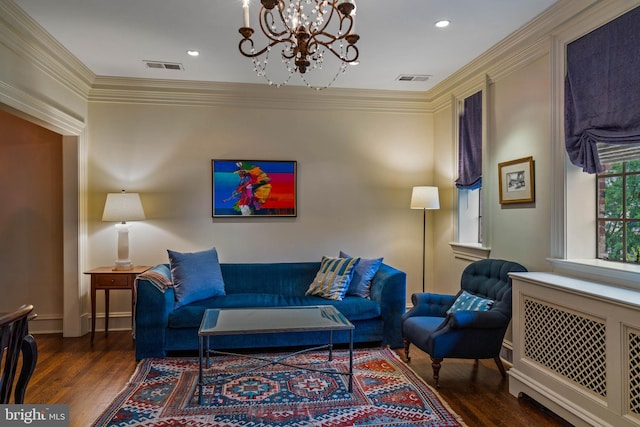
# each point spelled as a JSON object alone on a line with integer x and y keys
{"x": 193, "y": 53}
{"x": 442, "y": 23}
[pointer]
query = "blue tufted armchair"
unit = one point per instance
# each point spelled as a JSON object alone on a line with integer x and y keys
{"x": 463, "y": 334}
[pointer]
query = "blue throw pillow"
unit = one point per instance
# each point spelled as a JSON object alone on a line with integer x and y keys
{"x": 363, "y": 274}
{"x": 333, "y": 278}
{"x": 196, "y": 276}
{"x": 467, "y": 301}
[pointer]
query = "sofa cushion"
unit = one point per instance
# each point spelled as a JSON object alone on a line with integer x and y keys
{"x": 333, "y": 278}
{"x": 190, "y": 316}
{"x": 196, "y": 276}
{"x": 467, "y": 301}
{"x": 362, "y": 275}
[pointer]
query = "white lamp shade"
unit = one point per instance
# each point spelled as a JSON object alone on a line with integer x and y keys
{"x": 424, "y": 197}
{"x": 123, "y": 207}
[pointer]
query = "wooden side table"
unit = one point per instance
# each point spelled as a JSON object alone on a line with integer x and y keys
{"x": 106, "y": 279}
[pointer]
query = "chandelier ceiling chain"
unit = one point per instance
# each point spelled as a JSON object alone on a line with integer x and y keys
{"x": 304, "y": 30}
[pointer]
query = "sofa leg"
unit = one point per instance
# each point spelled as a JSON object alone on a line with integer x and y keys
{"x": 406, "y": 350}
{"x": 435, "y": 364}
{"x": 503, "y": 372}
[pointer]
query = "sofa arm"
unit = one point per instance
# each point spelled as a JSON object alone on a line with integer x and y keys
{"x": 430, "y": 304}
{"x": 389, "y": 290}
{"x": 153, "y": 306}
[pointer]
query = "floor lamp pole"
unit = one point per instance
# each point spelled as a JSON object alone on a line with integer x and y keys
{"x": 424, "y": 197}
{"x": 424, "y": 242}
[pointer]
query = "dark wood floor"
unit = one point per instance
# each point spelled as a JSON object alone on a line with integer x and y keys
{"x": 87, "y": 377}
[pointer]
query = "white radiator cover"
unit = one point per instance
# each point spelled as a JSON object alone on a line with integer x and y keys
{"x": 576, "y": 348}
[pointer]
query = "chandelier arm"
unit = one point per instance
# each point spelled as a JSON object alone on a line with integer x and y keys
{"x": 351, "y": 23}
{"x": 266, "y": 26}
{"x": 330, "y": 38}
{"x": 249, "y": 54}
{"x": 327, "y": 20}
{"x": 348, "y": 49}
{"x": 290, "y": 56}
{"x": 274, "y": 37}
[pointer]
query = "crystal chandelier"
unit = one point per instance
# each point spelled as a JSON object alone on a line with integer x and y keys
{"x": 304, "y": 31}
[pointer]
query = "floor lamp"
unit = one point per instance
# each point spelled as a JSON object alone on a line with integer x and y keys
{"x": 424, "y": 198}
{"x": 123, "y": 207}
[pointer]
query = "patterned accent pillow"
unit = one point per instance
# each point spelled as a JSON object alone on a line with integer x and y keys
{"x": 467, "y": 301}
{"x": 333, "y": 278}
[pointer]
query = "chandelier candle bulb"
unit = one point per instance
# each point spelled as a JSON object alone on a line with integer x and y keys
{"x": 245, "y": 13}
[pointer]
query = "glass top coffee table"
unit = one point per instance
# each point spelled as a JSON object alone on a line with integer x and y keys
{"x": 270, "y": 320}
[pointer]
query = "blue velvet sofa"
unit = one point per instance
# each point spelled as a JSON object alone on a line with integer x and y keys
{"x": 160, "y": 328}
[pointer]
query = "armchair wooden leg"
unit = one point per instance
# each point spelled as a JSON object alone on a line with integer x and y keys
{"x": 406, "y": 350}
{"x": 435, "y": 364}
{"x": 503, "y": 372}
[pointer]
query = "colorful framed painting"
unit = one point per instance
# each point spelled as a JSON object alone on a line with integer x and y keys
{"x": 254, "y": 188}
{"x": 517, "y": 181}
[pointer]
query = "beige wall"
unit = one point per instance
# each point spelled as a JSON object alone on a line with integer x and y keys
{"x": 355, "y": 173}
{"x": 520, "y": 112}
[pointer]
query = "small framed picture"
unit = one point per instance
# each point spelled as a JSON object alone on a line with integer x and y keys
{"x": 517, "y": 181}
{"x": 254, "y": 188}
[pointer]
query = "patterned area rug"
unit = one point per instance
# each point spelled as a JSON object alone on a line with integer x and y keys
{"x": 386, "y": 392}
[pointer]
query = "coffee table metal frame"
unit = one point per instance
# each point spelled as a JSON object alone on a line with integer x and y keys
{"x": 264, "y": 320}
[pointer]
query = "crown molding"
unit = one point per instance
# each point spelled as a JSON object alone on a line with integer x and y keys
{"x": 180, "y": 92}
{"x": 29, "y": 40}
{"x": 41, "y": 112}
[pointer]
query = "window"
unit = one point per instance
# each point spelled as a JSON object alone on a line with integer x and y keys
{"x": 469, "y": 182}
{"x": 618, "y": 212}
{"x": 469, "y": 216}
{"x": 574, "y": 194}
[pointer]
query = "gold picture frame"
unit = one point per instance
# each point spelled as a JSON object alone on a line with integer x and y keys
{"x": 517, "y": 181}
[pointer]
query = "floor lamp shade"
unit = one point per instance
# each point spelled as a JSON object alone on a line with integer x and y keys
{"x": 424, "y": 197}
{"x": 123, "y": 207}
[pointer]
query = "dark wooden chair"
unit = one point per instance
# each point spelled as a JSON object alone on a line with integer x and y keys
{"x": 16, "y": 341}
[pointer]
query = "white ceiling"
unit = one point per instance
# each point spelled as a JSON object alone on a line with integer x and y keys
{"x": 114, "y": 37}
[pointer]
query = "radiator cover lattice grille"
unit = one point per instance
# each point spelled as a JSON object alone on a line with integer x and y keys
{"x": 569, "y": 343}
{"x": 633, "y": 346}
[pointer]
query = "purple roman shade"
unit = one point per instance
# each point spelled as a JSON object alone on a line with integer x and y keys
{"x": 470, "y": 144}
{"x": 602, "y": 92}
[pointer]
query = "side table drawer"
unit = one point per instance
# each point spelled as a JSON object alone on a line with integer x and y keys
{"x": 112, "y": 280}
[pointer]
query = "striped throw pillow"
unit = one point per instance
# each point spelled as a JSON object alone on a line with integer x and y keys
{"x": 467, "y": 301}
{"x": 333, "y": 278}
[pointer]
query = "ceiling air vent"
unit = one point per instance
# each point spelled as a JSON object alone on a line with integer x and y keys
{"x": 160, "y": 65}
{"x": 413, "y": 78}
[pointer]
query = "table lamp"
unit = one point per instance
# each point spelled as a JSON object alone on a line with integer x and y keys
{"x": 123, "y": 207}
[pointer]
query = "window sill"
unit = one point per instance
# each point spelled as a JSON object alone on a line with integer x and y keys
{"x": 615, "y": 273}
{"x": 470, "y": 251}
